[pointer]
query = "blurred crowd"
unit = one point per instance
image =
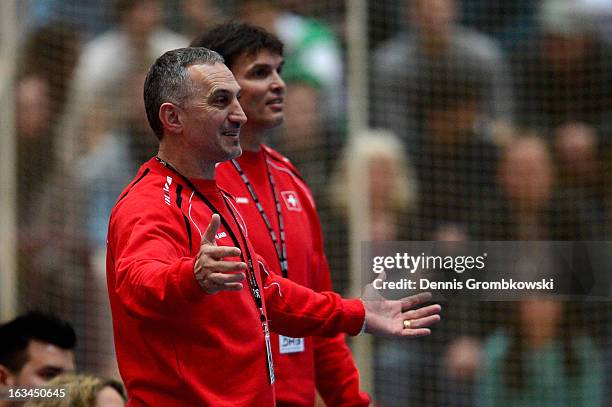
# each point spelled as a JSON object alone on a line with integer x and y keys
{"x": 492, "y": 121}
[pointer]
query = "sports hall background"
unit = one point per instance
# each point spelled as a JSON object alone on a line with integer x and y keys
{"x": 410, "y": 119}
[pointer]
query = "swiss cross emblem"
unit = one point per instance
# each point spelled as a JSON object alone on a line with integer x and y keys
{"x": 291, "y": 200}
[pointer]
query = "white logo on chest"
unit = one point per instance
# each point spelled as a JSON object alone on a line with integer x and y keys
{"x": 291, "y": 200}
{"x": 242, "y": 200}
{"x": 167, "y": 190}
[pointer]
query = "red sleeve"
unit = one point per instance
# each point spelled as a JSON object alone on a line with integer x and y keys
{"x": 297, "y": 311}
{"x": 149, "y": 251}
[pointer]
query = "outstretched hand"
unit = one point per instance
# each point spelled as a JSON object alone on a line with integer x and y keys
{"x": 399, "y": 317}
{"x": 212, "y": 272}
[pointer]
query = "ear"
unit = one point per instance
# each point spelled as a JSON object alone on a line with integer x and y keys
{"x": 169, "y": 115}
{"x": 6, "y": 377}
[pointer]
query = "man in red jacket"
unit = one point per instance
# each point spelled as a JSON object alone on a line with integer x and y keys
{"x": 192, "y": 302}
{"x": 279, "y": 208}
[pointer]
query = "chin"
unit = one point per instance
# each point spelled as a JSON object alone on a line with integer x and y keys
{"x": 234, "y": 153}
{"x": 274, "y": 122}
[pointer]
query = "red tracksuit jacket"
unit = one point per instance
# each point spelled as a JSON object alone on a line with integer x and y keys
{"x": 324, "y": 363}
{"x": 176, "y": 345}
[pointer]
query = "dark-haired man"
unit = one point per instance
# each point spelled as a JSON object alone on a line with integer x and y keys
{"x": 34, "y": 348}
{"x": 279, "y": 209}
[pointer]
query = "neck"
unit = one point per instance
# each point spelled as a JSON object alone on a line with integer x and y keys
{"x": 186, "y": 165}
{"x": 250, "y": 141}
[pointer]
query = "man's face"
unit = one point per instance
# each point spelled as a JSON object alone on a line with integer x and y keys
{"x": 263, "y": 89}
{"x": 45, "y": 361}
{"x": 526, "y": 174}
{"x": 212, "y": 116}
{"x": 434, "y": 17}
{"x": 142, "y": 20}
{"x": 453, "y": 125}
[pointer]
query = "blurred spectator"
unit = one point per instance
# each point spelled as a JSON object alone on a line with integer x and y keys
{"x": 104, "y": 67}
{"x": 455, "y": 157}
{"x": 84, "y": 391}
{"x": 580, "y": 157}
{"x": 98, "y": 104}
{"x": 45, "y": 69}
{"x": 436, "y": 42}
{"x": 534, "y": 208}
{"x": 575, "y": 146}
{"x": 199, "y": 16}
{"x": 526, "y": 178}
{"x": 34, "y": 142}
{"x": 51, "y": 52}
{"x": 563, "y": 74}
{"x": 34, "y": 348}
{"x": 541, "y": 359}
{"x": 303, "y": 137}
{"x": 113, "y": 157}
{"x": 391, "y": 193}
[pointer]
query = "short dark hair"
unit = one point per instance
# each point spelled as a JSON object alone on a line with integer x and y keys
{"x": 15, "y": 336}
{"x": 234, "y": 39}
{"x": 168, "y": 80}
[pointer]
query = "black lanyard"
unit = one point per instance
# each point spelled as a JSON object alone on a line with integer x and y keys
{"x": 281, "y": 249}
{"x": 255, "y": 291}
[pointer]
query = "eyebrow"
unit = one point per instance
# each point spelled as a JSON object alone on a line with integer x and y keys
{"x": 264, "y": 65}
{"x": 223, "y": 92}
{"x": 51, "y": 370}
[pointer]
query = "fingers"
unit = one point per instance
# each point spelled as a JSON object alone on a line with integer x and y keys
{"x": 211, "y": 230}
{"x": 225, "y": 266}
{"x": 215, "y": 282}
{"x": 416, "y": 333}
{"x": 221, "y": 279}
{"x": 422, "y": 312}
{"x": 212, "y": 272}
{"x": 414, "y": 300}
{"x": 219, "y": 252}
{"x": 416, "y": 322}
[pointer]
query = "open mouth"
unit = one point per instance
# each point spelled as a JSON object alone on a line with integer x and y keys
{"x": 275, "y": 101}
{"x": 231, "y": 133}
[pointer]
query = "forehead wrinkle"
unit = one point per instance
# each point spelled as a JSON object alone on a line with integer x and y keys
{"x": 219, "y": 88}
{"x": 213, "y": 78}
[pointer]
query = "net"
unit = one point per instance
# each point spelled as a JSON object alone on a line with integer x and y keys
{"x": 485, "y": 97}
{"x": 493, "y": 123}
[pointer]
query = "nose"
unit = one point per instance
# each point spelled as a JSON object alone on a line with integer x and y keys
{"x": 237, "y": 115}
{"x": 278, "y": 84}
